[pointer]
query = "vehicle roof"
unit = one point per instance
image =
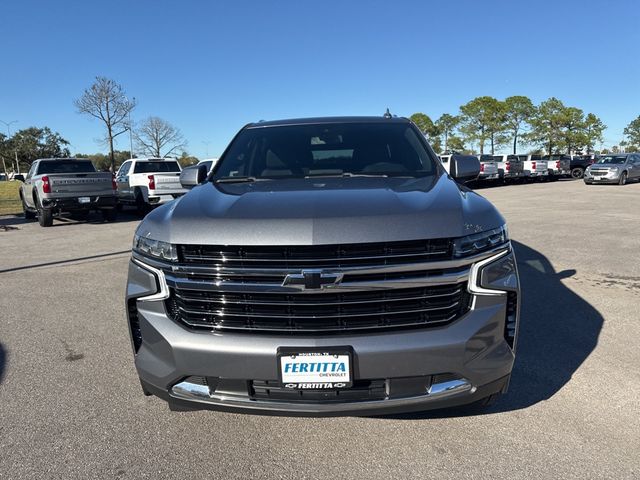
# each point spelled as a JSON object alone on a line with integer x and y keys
{"x": 625, "y": 154}
{"x": 152, "y": 159}
{"x": 62, "y": 159}
{"x": 323, "y": 120}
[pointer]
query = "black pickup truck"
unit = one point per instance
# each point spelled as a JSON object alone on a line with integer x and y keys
{"x": 579, "y": 164}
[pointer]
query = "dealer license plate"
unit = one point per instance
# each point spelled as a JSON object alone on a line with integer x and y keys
{"x": 84, "y": 199}
{"x": 315, "y": 370}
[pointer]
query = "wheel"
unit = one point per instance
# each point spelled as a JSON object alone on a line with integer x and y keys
{"x": 109, "y": 214}
{"x": 141, "y": 205}
{"x": 577, "y": 172}
{"x": 28, "y": 214}
{"x": 45, "y": 217}
{"x": 623, "y": 179}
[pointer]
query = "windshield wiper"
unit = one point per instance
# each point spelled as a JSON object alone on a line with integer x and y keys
{"x": 240, "y": 180}
{"x": 346, "y": 175}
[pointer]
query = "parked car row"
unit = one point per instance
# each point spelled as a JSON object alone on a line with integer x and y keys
{"x": 614, "y": 168}
{"x": 56, "y": 186}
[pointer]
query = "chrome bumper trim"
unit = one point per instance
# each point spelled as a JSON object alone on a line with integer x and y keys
{"x": 200, "y": 393}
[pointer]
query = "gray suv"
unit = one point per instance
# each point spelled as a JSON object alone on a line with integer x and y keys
{"x": 614, "y": 168}
{"x": 326, "y": 266}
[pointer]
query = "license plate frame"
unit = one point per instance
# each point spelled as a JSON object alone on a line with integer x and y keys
{"x": 324, "y": 379}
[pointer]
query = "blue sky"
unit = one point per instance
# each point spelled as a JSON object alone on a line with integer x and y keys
{"x": 210, "y": 67}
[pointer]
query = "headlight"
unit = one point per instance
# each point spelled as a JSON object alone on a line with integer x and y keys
{"x": 494, "y": 276}
{"x": 155, "y": 248}
{"x": 500, "y": 274}
{"x": 479, "y": 242}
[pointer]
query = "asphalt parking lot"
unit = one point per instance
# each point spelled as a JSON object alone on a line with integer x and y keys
{"x": 71, "y": 405}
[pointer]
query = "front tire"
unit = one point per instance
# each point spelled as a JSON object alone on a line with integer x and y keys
{"x": 623, "y": 179}
{"x": 577, "y": 173}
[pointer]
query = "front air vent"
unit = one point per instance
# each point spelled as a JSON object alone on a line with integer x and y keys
{"x": 510, "y": 323}
{"x": 134, "y": 324}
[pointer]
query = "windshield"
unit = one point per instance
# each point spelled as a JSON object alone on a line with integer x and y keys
{"x": 336, "y": 149}
{"x": 66, "y": 166}
{"x": 616, "y": 159}
{"x": 156, "y": 167}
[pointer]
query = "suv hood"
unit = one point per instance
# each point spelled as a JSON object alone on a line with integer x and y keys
{"x": 321, "y": 211}
{"x": 607, "y": 165}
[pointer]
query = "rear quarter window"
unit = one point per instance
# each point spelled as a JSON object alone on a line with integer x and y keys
{"x": 156, "y": 167}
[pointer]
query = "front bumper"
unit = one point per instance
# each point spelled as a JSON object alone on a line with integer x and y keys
{"x": 611, "y": 177}
{"x": 71, "y": 204}
{"x": 471, "y": 352}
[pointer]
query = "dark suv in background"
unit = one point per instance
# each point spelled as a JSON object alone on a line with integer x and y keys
{"x": 327, "y": 266}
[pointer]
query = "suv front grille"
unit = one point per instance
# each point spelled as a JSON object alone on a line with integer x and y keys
{"x": 319, "y": 312}
{"x": 317, "y": 256}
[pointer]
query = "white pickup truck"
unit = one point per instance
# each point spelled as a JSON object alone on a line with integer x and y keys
{"x": 146, "y": 182}
{"x": 534, "y": 167}
{"x": 488, "y": 168}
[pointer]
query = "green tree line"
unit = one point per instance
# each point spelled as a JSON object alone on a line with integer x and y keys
{"x": 486, "y": 124}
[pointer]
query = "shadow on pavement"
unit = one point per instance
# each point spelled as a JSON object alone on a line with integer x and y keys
{"x": 558, "y": 331}
{"x": 13, "y": 220}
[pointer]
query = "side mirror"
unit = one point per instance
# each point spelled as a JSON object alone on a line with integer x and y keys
{"x": 19, "y": 177}
{"x": 464, "y": 168}
{"x": 192, "y": 176}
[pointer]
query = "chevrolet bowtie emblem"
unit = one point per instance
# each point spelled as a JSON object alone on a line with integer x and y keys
{"x": 312, "y": 279}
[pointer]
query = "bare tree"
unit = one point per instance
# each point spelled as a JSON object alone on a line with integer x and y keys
{"x": 158, "y": 138}
{"x": 106, "y": 101}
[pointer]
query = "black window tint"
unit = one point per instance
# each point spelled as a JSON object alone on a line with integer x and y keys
{"x": 65, "y": 166}
{"x": 326, "y": 149}
{"x": 160, "y": 166}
